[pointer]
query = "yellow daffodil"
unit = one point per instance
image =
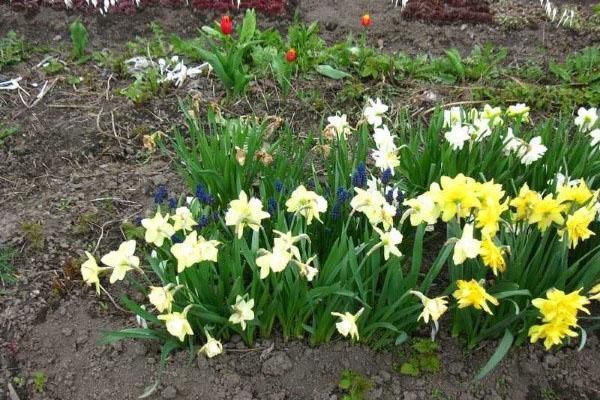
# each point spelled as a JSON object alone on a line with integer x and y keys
{"x": 121, "y": 260}
{"x": 519, "y": 111}
{"x": 432, "y": 308}
{"x": 423, "y": 209}
{"x": 389, "y": 240}
{"x": 183, "y": 220}
{"x": 595, "y": 293}
{"x": 90, "y": 271}
{"x": 347, "y": 323}
{"x": 466, "y": 247}
{"x": 161, "y": 297}
{"x": 552, "y": 332}
{"x": 489, "y": 216}
{"x": 306, "y": 203}
{"x": 212, "y": 347}
{"x": 492, "y": 255}
{"x": 177, "y": 323}
{"x": 577, "y": 226}
{"x": 307, "y": 270}
{"x": 489, "y": 193}
{"x": 367, "y": 200}
{"x": 559, "y": 314}
{"x": 187, "y": 252}
{"x": 524, "y": 202}
{"x": 579, "y": 194}
{"x": 561, "y": 305}
{"x": 275, "y": 260}
{"x": 493, "y": 114}
{"x": 458, "y": 196}
{"x": 546, "y": 211}
{"x": 242, "y": 311}
{"x": 243, "y": 212}
{"x": 471, "y": 293}
{"x": 158, "y": 229}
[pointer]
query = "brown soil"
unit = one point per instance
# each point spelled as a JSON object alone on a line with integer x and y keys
{"x": 77, "y": 167}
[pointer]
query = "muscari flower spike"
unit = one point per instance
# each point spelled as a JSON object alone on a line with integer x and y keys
{"x": 359, "y": 177}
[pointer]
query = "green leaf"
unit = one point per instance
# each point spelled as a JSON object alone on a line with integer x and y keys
{"x": 330, "y": 72}
{"x": 248, "y": 26}
{"x": 109, "y": 337}
{"x": 498, "y": 355}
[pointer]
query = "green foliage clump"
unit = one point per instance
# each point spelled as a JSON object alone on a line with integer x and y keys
{"x": 79, "y": 38}
{"x": 424, "y": 359}
{"x": 13, "y": 50}
{"x": 354, "y": 385}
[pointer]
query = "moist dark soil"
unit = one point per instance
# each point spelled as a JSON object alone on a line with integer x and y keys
{"x": 77, "y": 169}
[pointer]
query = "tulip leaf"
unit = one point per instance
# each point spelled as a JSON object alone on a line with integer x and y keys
{"x": 109, "y": 337}
{"x": 498, "y": 355}
{"x": 330, "y": 72}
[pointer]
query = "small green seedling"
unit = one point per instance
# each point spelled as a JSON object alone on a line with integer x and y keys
{"x": 354, "y": 385}
{"x": 39, "y": 381}
{"x": 424, "y": 359}
{"x": 79, "y": 37}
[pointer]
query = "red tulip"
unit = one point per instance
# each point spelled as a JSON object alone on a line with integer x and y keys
{"x": 291, "y": 55}
{"x": 226, "y": 25}
{"x": 365, "y": 20}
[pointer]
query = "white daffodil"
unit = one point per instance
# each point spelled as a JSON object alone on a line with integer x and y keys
{"x": 374, "y": 112}
{"x": 466, "y": 247}
{"x": 511, "y": 142}
{"x": 212, "y": 347}
{"x": 481, "y": 129}
{"x": 288, "y": 241}
{"x": 306, "y": 270}
{"x": 187, "y": 252}
{"x": 432, "y": 308}
{"x": 242, "y": 311}
{"x": 208, "y": 249}
{"x": 177, "y": 323}
{"x": 158, "y": 229}
{"x": 243, "y": 212}
{"x": 161, "y": 297}
{"x": 90, "y": 271}
{"x": 457, "y": 136}
{"x": 365, "y": 200}
{"x": 347, "y": 323}
{"x": 586, "y": 118}
{"x": 183, "y": 219}
{"x": 389, "y": 241}
{"x": 340, "y": 124}
{"x": 532, "y": 151}
{"x": 275, "y": 260}
{"x": 595, "y": 134}
{"x": 121, "y": 260}
{"x": 306, "y": 203}
{"x": 383, "y": 138}
{"x": 520, "y": 111}
{"x": 452, "y": 117}
{"x": 386, "y": 158}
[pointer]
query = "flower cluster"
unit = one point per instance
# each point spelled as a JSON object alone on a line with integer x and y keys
{"x": 559, "y": 316}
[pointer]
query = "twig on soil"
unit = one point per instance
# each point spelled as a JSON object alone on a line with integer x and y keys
{"x": 115, "y": 199}
{"x": 12, "y": 393}
{"x": 113, "y": 301}
{"x": 108, "y": 86}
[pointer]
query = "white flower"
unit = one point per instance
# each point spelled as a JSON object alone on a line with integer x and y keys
{"x": 306, "y": 203}
{"x": 275, "y": 261}
{"x": 183, "y": 219}
{"x": 242, "y": 311}
{"x": 386, "y": 158}
{"x": 347, "y": 323}
{"x": 452, "y": 117}
{"x": 161, "y": 297}
{"x": 466, "y": 246}
{"x": 492, "y": 114}
{"x": 481, "y": 128}
{"x": 340, "y": 124}
{"x": 212, "y": 347}
{"x": 586, "y": 119}
{"x": 383, "y": 138}
{"x": 243, "y": 212}
{"x": 307, "y": 270}
{"x": 595, "y": 134}
{"x": 374, "y": 112}
{"x": 457, "y": 136}
{"x": 532, "y": 151}
{"x": 511, "y": 142}
{"x": 389, "y": 241}
{"x": 158, "y": 229}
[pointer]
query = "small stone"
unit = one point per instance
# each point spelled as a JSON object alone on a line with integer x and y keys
{"x": 409, "y": 396}
{"x": 277, "y": 365}
{"x": 67, "y": 331}
{"x": 169, "y": 393}
{"x": 385, "y": 376}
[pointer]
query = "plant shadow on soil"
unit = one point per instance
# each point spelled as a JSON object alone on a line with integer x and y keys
{"x": 75, "y": 166}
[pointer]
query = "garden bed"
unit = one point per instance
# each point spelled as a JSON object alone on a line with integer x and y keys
{"x": 77, "y": 167}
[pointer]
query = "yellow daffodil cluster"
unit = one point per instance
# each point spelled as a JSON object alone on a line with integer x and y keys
{"x": 473, "y": 294}
{"x": 559, "y": 316}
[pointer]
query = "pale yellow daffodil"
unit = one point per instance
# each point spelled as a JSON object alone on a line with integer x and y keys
{"x": 466, "y": 247}
{"x": 158, "y": 229}
{"x": 90, "y": 271}
{"x": 306, "y": 203}
{"x": 212, "y": 347}
{"x": 242, "y": 311}
{"x": 347, "y": 323}
{"x": 177, "y": 323}
{"x": 243, "y": 212}
{"x": 121, "y": 260}
{"x": 183, "y": 219}
{"x": 275, "y": 260}
{"x": 161, "y": 297}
